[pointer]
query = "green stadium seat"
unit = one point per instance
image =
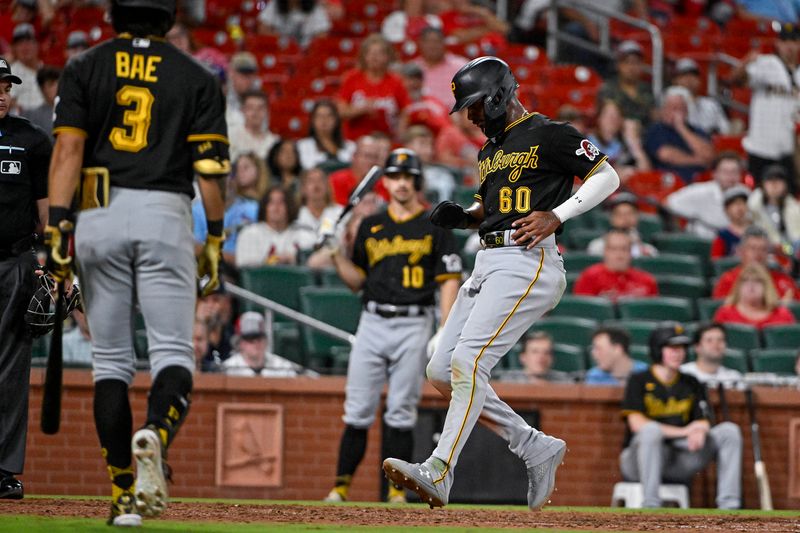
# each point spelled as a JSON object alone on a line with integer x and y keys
{"x": 571, "y": 277}
{"x": 330, "y": 278}
{"x": 742, "y": 337}
{"x": 707, "y": 307}
{"x": 649, "y": 226}
{"x": 278, "y": 283}
{"x": 782, "y": 336}
{"x": 583, "y": 221}
{"x": 462, "y": 235}
{"x": 679, "y": 265}
{"x": 579, "y": 239}
{"x": 340, "y": 308}
{"x": 340, "y": 356}
{"x": 584, "y": 307}
{"x": 639, "y": 330}
{"x": 737, "y": 360}
{"x": 685, "y": 244}
{"x": 286, "y": 341}
{"x": 467, "y": 260}
{"x": 600, "y": 219}
{"x": 659, "y": 308}
{"x": 777, "y": 360}
{"x": 567, "y": 330}
{"x": 569, "y": 358}
{"x": 682, "y": 286}
{"x": 794, "y": 307}
{"x": 723, "y": 264}
{"x": 640, "y": 352}
{"x": 464, "y": 195}
{"x": 578, "y": 261}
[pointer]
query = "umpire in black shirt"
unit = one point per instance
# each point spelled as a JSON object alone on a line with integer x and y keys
{"x": 24, "y": 159}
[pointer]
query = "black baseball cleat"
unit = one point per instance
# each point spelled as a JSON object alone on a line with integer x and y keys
{"x": 11, "y": 488}
{"x": 124, "y": 512}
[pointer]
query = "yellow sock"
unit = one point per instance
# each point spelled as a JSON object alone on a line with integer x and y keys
{"x": 342, "y": 490}
{"x": 394, "y": 492}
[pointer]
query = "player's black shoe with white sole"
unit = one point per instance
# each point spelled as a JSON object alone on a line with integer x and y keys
{"x": 151, "y": 482}
{"x": 542, "y": 477}
{"x": 11, "y": 488}
{"x": 419, "y": 478}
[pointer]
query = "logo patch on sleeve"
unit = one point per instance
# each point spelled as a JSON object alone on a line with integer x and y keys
{"x": 588, "y": 149}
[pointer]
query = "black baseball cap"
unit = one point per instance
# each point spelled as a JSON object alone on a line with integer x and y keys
{"x": 786, "y": 31}
{"x": 671, "y": 334}
{"x": 775, "y": 172}
{"x": 5, "y": 72}
{"x": 22, "y": 32}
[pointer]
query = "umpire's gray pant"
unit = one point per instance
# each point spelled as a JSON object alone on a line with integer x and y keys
{"x": 651, "y": 458}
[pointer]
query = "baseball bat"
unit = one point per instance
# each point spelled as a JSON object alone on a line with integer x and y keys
{"x": 764, "y": 493}
{"x": 51, "y": 399}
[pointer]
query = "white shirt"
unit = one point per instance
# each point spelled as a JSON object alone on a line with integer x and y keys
{"x": 76, "y": 348}
{"x": 242, "y": 141}
{"x": 311, "y": 155}
{"x": 275, "y": 366}
{"x": 28, "y": 95}
{"x": 258, "y": 242}
{"x": 703, "y": 201}
{"x": 722, "y": 375}
{"x": 774, "y": 107}
{"x": 296, "y": 24}
{"x": 706, "y": 114}
{"x": 307, "y": 221}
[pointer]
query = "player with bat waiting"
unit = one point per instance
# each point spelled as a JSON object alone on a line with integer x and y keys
{"x": 399, "y": 259}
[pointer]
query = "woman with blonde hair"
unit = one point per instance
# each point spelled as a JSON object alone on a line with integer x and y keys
{"x": 753, "y": 301}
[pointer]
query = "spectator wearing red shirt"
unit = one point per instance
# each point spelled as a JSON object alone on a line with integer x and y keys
{"x": 754, "y": 301}
{"x": 754, "y": 249}
{"x": 422, "y": 110}
{"x": 614, "y": 277}
{"x": 371, "y": 98}
{"x": 728, "y": 238}
{"x": 343, "y": 181}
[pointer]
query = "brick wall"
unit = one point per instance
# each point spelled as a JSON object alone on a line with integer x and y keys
{"x": 586, "y": 417}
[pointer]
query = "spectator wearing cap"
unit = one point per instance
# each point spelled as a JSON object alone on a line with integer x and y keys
{"x": 615, "y": 277}
{"x": 633, "y": 96}
{"x": 672, "y": 143}
{"x": 301, "y": 20}
{"x": 253, "y": 134}
{"x": 77, "y": 42}
{"x": 754, "y": 249}
{"x": 620, "y": 140}
{"x": 47, "y": 78}
{"x": 252, "y": 356}
{"x": 624, "y": 216}
{"x": 423, "y": 109}
{"x": 26, "y": 64}
{"x": 703, "y": 203}
{"x": 438, "y": 66}
{"x": 242, "y": 78}
{"x": 773, "y": 79}
{"x": 774, "y": 210}
{"x": 727, "y": 239}
{"x": 705, "y": 112}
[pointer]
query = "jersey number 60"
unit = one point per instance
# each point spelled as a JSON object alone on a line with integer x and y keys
{"x": 521, "y": 203}
{"x": 137, "y": 119}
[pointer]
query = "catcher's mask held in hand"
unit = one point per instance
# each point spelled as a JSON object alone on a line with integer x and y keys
{"x": 40, "y": 316}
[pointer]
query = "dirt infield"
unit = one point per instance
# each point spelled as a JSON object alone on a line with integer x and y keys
{"x": 417, "y": 515}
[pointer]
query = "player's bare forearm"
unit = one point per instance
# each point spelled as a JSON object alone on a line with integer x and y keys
{"x": 448, "y": 290}
{"x": 351, "y": 275}
{"x": 477, "y": 213}
{"x": 65, "y": 169}
{"x": 212, "y": 190}
{"x": 42, "y": 207}
{"x": 637, "y": 420}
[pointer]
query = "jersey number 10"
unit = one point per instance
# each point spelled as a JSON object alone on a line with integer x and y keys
{"x": 137, "y": 118}
{"x": 413, "y": 276}
{"x": 521, "y": 201}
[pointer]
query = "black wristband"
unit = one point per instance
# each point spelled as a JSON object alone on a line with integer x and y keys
{"x": 56, "y": 214}
{"x": 215, "y": 227}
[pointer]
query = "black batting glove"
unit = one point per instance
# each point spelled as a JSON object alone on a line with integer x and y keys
{"x": 450, "y": 215}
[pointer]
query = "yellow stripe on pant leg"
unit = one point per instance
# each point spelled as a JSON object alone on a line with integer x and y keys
{"x": 478, "y": 358}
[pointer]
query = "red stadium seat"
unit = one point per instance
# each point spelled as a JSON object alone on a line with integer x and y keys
{"x": 729, "y": 142}
{"x": 654, "y": 185}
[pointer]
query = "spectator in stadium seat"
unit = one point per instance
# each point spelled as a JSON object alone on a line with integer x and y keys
{"x": 366, "y": 154}
{"x": 205, "y": 358}
{"x": 26, "y": 64}
{"x": 620, "y": 140}
{"x": 775, "y": 210}
{"x": 438, "y": 66}
{"x": 458, "y": 145}
{"x": 703, "y": 204}
{"x": 77, "y": 42}
{"x": 754, "y": 249}
{"x": 728, "y": 238}
{"x": 633, "y": 96}
{"x": 773, "y": 78}
{"x": 423, "y": 109}
{"x": 705, "y": 112}
{"x": 536, "y": 359}
{"x": 325, "y": 142}
{"x": 709, "y": 347}
{"x": 466, "y": 21}
{"x": 252, "y": 357}
{"x": 275, "y": 239}
{"x": 624, "y": 216}
{"x": 249, "y": 182}
{"x": 610, "y": 352}
{"x": 672, "y": 143}
{"x": 370, "y": 97}
{"x": 615, "y": 277}
{"x": 301, "y": 20}
{"x": 753, "y": 300}
{"x": 318, "y": 208}
{"x": 253, "y": 134}
{"x": 438, "y": 179}
{"x": 76, "y": 344}
{"x": 406, "y": 23}
{"x": 47, "y": 78}
{"x": 216, "y": 312}
{"x": 283, "y": 163}
{"x": 242, "y": 79}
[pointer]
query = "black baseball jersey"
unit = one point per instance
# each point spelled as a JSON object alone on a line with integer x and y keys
{"x": 676, "y": 403}
{"x": 531, "y": 168}
{"x": 140, "y": 102}
{"x": 25, "y": 151}
{"x": 404, "y": 260}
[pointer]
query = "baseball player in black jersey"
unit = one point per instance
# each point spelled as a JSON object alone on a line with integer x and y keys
{"x": 399, "y": 259}
{"x": 136, "y": 119}
{"x": 527, "y": 169}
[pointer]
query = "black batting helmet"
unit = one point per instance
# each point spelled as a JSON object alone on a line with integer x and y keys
{"x": 405, "y": 160}
{"x": 667, "y": 334}
{"x": 169, "y": 7}
{"x": 488, "y": 79}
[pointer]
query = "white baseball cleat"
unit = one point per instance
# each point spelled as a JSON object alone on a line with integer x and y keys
{"x": 542, "y": 478}
{"x": 151, "y": 485}
{"x": 419, "y": 478}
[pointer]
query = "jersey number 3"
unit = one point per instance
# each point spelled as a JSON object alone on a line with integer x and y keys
{"x": 137, "y": 118}
{"x": 521, "y": 201}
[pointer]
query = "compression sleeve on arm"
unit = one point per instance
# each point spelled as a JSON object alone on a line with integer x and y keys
{"x": 604, "y": 182}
